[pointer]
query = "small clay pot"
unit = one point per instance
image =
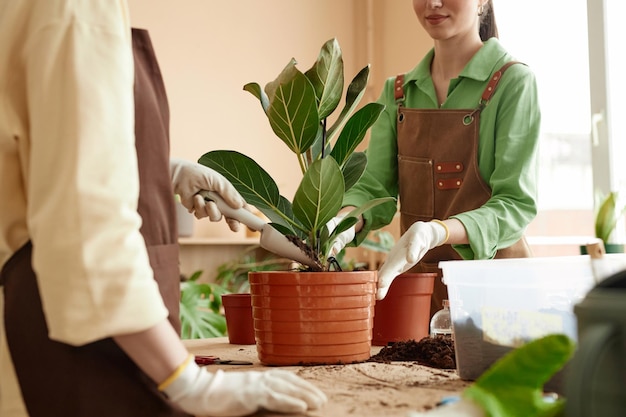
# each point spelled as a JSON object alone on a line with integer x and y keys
{"x": 404, "y": 313}
{"x": 239, "y": 322}
{"x": 313, "y": 318}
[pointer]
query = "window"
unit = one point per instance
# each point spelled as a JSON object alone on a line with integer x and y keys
{"x": 551, "y": 37}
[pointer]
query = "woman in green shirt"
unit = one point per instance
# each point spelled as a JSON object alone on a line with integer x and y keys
{"x": 457, "y": 144}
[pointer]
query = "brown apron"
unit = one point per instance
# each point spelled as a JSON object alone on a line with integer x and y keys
{"x": 438, "y": 173}
{"x": 98, "y": 379}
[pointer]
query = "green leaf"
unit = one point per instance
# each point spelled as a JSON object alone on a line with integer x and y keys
{"x": 292, "y": 111}
{"x": 320, "y": 194}
{"x": 354, "y": 131}
{"x": 608, "y": 215}
{"x": 254, "y": 184}
{"x": 354, "y": 168}
{"x": 513, "y": 386}
{"x": 326, "y": 76}
{"x": 285, "y": 76}
{"x": 355, "y": 92}
{"x": 283, "y": 215}
{"x": 255, "y": 90}
{"x": 199, "y": 310}
{"x": 351, "y": 218}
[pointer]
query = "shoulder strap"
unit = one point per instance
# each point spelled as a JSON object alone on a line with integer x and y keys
{"x": 399, "y": 89}
{"x": 495, "y": 79}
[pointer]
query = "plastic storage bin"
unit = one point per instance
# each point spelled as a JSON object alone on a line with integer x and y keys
{"x": 497, "y": 305}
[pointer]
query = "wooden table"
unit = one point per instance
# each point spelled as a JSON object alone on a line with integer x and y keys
{"x": 365, "y": 389}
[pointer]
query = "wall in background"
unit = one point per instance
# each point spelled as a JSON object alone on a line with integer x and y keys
{"x": 208, "y": 50}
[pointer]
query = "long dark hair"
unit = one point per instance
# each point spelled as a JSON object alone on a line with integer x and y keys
{"x": 488, "y": 28}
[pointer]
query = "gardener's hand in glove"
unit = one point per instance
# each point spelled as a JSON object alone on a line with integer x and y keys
{"x": 343, "y": 238}
{"x": 203, "y": 393}
{"x": 412, "y": 246}
{"x": 189, "y": 178}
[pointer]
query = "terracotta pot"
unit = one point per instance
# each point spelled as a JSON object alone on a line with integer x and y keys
{"x": 404, "y": 313}
{"x": 309, "y": 318}
{"x": 239, "y": 323}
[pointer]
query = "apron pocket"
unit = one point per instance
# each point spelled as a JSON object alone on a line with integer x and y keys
{"x": 416, "y": 186}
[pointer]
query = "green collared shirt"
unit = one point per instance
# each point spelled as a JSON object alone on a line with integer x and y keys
{"x": 507, "y": 149}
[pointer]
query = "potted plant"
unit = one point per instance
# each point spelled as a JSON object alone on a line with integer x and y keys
{"x": 298, "y": 106}
{"x": 610, "y": 210}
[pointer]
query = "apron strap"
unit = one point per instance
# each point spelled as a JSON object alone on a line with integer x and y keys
{"x": 399, "y": 89}
{"x": 493, "y": 83}
{"x": 488, "y": 93}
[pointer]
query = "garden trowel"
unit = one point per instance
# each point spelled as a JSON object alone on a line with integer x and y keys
{"x": 271, "y": 239}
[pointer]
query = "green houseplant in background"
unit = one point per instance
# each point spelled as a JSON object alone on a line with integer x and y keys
{"x": 610, "y": 210}
{"x": 200, "y": 308}
{"x": 297, "y": 106}
{"x": 317, "y": 314}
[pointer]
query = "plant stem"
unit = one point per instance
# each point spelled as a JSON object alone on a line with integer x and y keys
{"x": 323, "y": 154}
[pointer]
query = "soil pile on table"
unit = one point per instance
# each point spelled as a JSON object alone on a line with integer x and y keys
{"x": 435, "y": 352}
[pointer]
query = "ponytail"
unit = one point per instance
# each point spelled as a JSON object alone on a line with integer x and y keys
{"x": 488, "y": 28}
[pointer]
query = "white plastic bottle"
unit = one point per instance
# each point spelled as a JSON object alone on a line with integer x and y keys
{"x": 441, "y": 323}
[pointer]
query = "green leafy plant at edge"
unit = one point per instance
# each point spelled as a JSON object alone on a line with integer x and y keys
{"x": 233, "y": 275}
{"x": 297, "y": 106}
{"x": 608, "y": 214}
{"x": 513, "y": 386}
{"x": 200, "y": 309}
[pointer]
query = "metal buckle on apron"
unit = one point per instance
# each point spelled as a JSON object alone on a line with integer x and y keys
{"x": 468, "y": 119}
{"x": 491, "y": 88}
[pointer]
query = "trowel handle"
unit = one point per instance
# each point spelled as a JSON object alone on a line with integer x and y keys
{"x": 242, "y": 215}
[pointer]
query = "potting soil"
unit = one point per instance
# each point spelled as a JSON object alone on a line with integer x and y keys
{"x": 435, "y": 352}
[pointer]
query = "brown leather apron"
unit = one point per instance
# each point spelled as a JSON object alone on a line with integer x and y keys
{"x": 438, "y": 173}
{"x": 98, "y": 379}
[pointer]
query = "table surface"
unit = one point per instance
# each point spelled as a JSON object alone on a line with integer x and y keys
{"x": 366, "y": 389}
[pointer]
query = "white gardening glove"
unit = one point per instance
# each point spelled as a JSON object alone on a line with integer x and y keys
{"x": 189, "y": 178}
{"x": 461, "y": 408}
{"x": 412, "y": 246}
{"x": 229, "y": 394}
{"x": 343, "y": 238}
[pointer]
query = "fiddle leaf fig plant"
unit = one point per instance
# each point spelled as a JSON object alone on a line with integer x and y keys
{"x": 298, "y": 105}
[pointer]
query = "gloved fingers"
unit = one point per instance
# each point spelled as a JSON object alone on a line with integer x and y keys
{"x": 289, "y": 390}
{"x": 187, "y": 202}
{"x": 415, "y": 251}
{"x": 332, "y": 223}
{"x": 342, "y": 240}
{"x": 233, "y": 224}
{"x": 387, "y": 273}
{"x": 203, "y": 208}
{"x": 218, "y": 183}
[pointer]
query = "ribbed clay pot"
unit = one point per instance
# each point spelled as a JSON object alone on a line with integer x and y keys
{"x": 404, "y": 313}
{"x": 313, "y": 318}
{"x": 239, "y": 323}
